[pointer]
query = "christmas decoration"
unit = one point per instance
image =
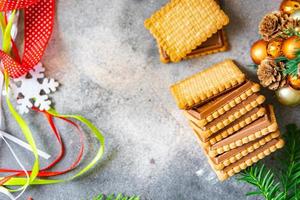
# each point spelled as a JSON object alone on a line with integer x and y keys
{"x": 264, "y": 179}
{"x": 288, "y": 96}
{"x": 273, "y": 24}
{"x": 116, "y": 197}
{"x": 25, "y": 76}
{"x": 34, "y": 87}
{"x": 294, "y": 82}
{"x": 290, "y": 24}
{"x": 290, "y": 47}
{"x": 289, "y": 6}
{"x": 259, "y": 51}
{"x": 274, "y": 48}
{"x": 296, "y": 15}
{"x": 277, "y": 54}
{"x": 270, "y": 74}
{"x": 4, "y": 135}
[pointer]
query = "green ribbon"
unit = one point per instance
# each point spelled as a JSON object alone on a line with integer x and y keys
{"x": 6, "y": 31}
{"x": 25, "y": 130}
{"x": 21, "y": 181}
{"x": 33, "y": 180}
{"x": 96, "y": 133}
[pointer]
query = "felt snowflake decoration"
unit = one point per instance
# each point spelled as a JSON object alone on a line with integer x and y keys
{"x": 32, "y": 89}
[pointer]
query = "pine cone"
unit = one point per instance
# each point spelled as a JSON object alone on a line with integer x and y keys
{"x": 291, "y": 23}
{"x": 273, "y": 24}
{"x": 270, "y": 74}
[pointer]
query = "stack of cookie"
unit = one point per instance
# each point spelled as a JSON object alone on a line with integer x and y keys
{"x": 188, "y": 28}
{"x": 228, "y": 117}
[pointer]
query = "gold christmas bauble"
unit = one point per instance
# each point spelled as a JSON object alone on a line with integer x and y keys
{"x": 290, "y": 46}
{"x": 294, "y": 82}
{"x": 289, "y": 6}
{"x": 288, "y": 96}
{"x": 297, "y": 29}
{"x": 296, "y": 15}
{"x": 274, "y": 48}
{"x": 259, "y": 51}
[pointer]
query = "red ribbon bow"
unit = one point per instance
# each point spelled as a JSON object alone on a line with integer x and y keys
{"x": 39, "y": 20}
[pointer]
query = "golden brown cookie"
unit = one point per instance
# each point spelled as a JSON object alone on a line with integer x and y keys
{"x": 224, "y": 103}
{"x": 206, "y": 85}
{"x": 232, "y": 156}
{"x": 251, "y": 132}
{"x": 182, "y": 25}
{"x": 235, "y": 126}
{"x": 207, "y": 130}
{"x": 249, "y": 159}
{"x": 216, "y": 43}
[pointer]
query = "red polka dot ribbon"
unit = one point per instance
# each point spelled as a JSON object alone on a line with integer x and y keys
{"x": 39, "y": 20}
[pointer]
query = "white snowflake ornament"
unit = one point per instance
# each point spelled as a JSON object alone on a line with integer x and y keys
{"x": 32, "y": 89}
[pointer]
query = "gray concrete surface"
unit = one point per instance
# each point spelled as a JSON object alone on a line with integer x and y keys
{"x": 110, "y": 72}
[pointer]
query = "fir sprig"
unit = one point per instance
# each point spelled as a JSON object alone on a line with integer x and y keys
{"x": 291, "y": 163}
{"x": 114, "y": 197}
{"x": 290, "y": 32}
{"x": 284, "y": 185}
{"x": 291, "y": 65}
{"x": 263, "y": 180}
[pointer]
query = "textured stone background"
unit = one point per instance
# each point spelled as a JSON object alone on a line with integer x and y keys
{"x": 110, "y": 72}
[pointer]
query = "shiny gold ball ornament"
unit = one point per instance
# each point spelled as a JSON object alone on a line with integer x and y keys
{"x": 297, "y": 29}
{"x": 289, "y": 6}
{"x": 290, "y": 46}
{"x": 274, "y": 48}
{"x": 296, "y": 15}
{"x": 288, "y": 96}
{"x": 294, "y": 82}
{"x": 259, "y": 51}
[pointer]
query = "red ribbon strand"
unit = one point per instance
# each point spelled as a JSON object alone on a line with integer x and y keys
{"x": 44, "y": 172}
{"x": 39, "y": 20}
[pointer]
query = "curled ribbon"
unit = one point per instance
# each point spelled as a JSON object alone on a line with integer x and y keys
{"x": 39, "y": 19}
{"x": 38, "y": 181}
{"x": 34, "y": 173}
{"x": 43, "y": 172}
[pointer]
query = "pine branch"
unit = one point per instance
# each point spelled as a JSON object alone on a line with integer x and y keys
{"x": 263, "y": 180}
{"x": 291, "y": 163}
{"x": 292, "y": 65}
{"x": 289, "y": 174}
{"x": 290, "y": 32}
{"x": 281, "y": 59}
{"x": 118, "y": 197}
